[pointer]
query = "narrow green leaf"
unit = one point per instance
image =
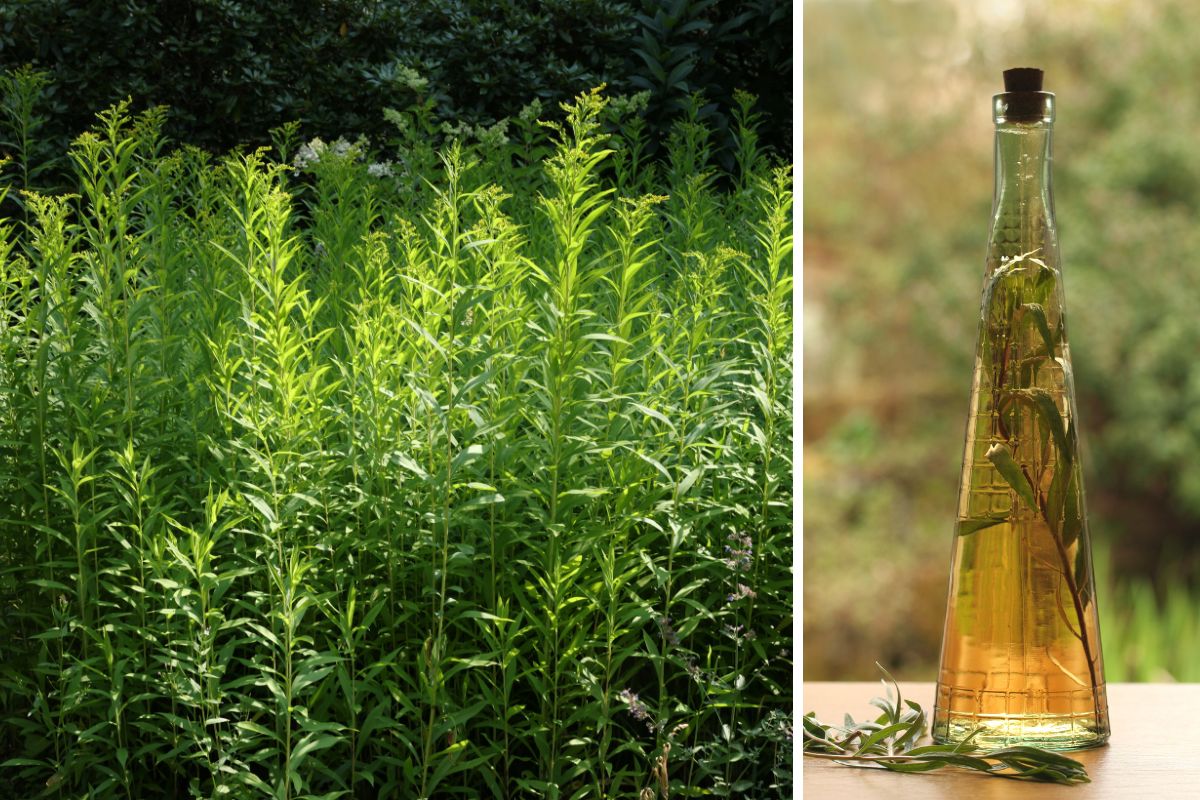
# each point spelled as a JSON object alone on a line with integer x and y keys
{"x": 1038, "y": 314}
{"x": 968, "y": 526}
{"x": 1001, "y": 458}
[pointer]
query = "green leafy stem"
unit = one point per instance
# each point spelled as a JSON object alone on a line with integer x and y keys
{"x": 890, "y": 741}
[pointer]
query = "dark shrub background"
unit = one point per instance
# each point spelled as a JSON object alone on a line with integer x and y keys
{"x": 230, "y": 71}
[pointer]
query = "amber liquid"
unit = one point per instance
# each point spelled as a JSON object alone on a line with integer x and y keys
{"x": 1012, "y": 665}
{"x": 1021, "y": 656}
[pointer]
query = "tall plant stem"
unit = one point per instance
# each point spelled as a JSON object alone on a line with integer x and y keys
{"x": 1053, "y": 527}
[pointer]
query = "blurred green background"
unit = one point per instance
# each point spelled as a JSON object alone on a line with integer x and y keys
{"x": 897, "y": 195}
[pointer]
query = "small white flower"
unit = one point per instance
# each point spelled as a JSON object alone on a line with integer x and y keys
{"x": 530, "y": 113}
{"x": 310, "y": 153}
{"x": 457, "y": 130}
{"x": 380, "y": 170}
{"x": 397, "y": 118}
{"x": 624, "y": 105}
{"x": 407, "y": 76}
{"x": 494, "y": 137}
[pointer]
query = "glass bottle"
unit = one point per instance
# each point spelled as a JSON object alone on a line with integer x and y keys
{"x": 1021, "y": 660}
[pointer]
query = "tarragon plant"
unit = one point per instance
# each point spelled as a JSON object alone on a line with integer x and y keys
{"x": 892, "y": 741}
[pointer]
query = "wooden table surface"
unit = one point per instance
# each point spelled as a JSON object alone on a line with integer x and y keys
{"x": 1153, "y": 754}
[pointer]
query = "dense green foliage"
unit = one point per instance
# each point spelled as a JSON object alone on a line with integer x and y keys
{"x": 469, "y": 480}
{"x": 901, "y": 186}
{"x": 230, "y": 71}
{"x": 1146, "y": 638}
{"x": 716, "y": 47}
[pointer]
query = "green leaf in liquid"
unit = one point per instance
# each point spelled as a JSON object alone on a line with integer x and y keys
{"x": 1038, "y": 314}
{"x": 968, "y": 526}
{"x": 1001, "y": 458}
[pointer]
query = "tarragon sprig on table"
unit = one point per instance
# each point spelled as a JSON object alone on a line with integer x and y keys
{"x": 890, "y": 742}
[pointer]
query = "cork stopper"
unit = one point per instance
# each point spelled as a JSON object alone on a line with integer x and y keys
{"x": 1023, "y": 99}
{"x": 1023, "y": 79}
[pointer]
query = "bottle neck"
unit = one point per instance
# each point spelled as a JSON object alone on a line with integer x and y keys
{"x": 1023, "y": 203}
{"x": 1023, "y": 161}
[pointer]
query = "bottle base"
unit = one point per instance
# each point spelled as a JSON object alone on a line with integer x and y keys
{"x": 1048, "y": 731}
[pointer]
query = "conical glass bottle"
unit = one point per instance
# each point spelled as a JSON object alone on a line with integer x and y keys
{"x": 1021, "y": 659}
